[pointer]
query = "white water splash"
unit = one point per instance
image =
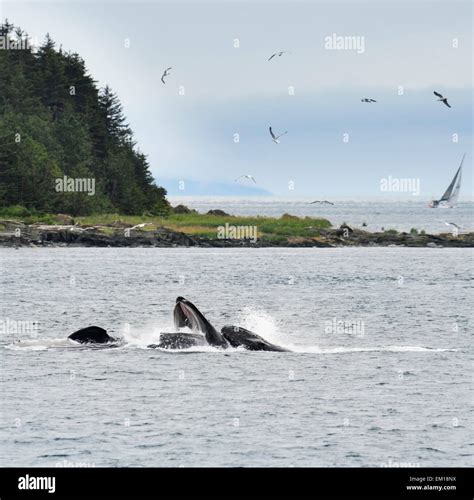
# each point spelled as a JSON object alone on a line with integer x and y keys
{"x": 263, "y": 324}
{"x": 42, "y": 344}
{"x": 144, "y": 335}
{"x": 258, "y": 321}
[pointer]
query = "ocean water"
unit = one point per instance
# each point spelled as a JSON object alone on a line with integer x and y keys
{"x": 380, "y": 373}
{"x": 401, "y": 215}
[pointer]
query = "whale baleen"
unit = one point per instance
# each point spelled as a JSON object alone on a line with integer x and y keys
{"x": 187, "y": 314}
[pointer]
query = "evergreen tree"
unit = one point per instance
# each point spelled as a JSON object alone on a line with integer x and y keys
{"x": 55, "y": 122}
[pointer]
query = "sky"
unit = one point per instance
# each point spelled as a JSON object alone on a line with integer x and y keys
{"x": 336, "y": 145}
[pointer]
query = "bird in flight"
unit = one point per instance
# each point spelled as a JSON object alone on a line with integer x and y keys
{"x": 452, "y": 224}
{"x": 276, "y": 137}
{"x": 441, "y": 98}
{"x": 324, "y": 202}
{"x": 166, "y": 72}
{"x": 279, "y": 54}
{"x": 365, "y": 99}
{"x": 246, "y": 176}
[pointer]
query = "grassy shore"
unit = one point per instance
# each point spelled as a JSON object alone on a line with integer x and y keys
{"x": 192, "y": 224}
{"x": 206, "y": 230}
{"x": 207, "y": 225}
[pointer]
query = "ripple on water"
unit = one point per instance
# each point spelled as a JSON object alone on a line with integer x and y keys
{"x": 330, "y": 403}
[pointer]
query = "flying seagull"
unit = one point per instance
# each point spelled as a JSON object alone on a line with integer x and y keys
{"x": 452, "y": 224}
{"x": 276, "y": 137}
{"x": 442, "y": 99}
{"x": 165, "y": 73}
{"x": 279, "y": 54}
{"x": 325, "y": 202}
{"x": 247, "y": 176}
{"x": 365, "y": 99}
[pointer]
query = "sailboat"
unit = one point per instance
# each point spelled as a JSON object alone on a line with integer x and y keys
{"x": 451, "y": 195}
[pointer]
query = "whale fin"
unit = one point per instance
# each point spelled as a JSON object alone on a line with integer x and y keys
{"x": 91, "y": 335}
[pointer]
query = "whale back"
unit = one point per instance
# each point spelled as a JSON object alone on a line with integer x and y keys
{"x": 241, "y": 337}
{"x": 91, "y": 335}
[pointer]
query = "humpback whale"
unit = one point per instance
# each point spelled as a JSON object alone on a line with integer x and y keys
{"x": 186, "y": 314}
{"x": 92, "y": 335}
{"x": 238, "y": 336}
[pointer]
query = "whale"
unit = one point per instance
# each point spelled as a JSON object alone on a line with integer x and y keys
{"x": 237, "y": 336}
{"x": 187, "y": 315}
{"x": 179, "y": 340}
{"x": 92, "y": 335}
{"x": 200, "y": 333}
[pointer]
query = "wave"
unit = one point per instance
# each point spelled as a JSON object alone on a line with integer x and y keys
{"x": 42, "y": 344}
{"x": 390, "y": 348}
{"x": 141, "y": 343}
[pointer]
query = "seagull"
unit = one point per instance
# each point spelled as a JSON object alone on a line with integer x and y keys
{"x": 247, "y": 176}
{"x": 326, "y": 202}
{"x": 165, "y": 73}
{"x": 452, "y": 224}
{"x": 442, "y": 99}
{"x": 365, "y": 99}
{"x": 279, "y": 54}
{"x": 276, "y": 137}
{"x": 140, "y": 226}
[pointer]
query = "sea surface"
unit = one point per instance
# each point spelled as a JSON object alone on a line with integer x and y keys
{"x": 380, "y": 373}
{"x": 377, "y": 214}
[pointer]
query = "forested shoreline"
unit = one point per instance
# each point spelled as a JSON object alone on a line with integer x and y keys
{"x": 56, "y": 123}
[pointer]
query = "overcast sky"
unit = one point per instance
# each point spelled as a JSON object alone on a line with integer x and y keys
{"x": 231, "y": 90}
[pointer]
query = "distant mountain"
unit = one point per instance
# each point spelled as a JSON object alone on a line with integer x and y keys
{"x": 201, "y": 188}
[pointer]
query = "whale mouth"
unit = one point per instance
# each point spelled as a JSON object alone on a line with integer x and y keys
{"x": 192, "y": 319}
{"x": 186, "y": 314}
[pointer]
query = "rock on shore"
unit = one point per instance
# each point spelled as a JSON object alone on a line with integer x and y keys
{"x": 14, "y": 234}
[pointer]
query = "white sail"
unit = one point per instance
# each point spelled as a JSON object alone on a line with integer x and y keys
{"x": 451, "y": 195}
{"x": 453, "y": 199}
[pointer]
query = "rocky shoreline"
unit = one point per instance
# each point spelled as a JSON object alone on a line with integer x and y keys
{"x": 17, "y": 234}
